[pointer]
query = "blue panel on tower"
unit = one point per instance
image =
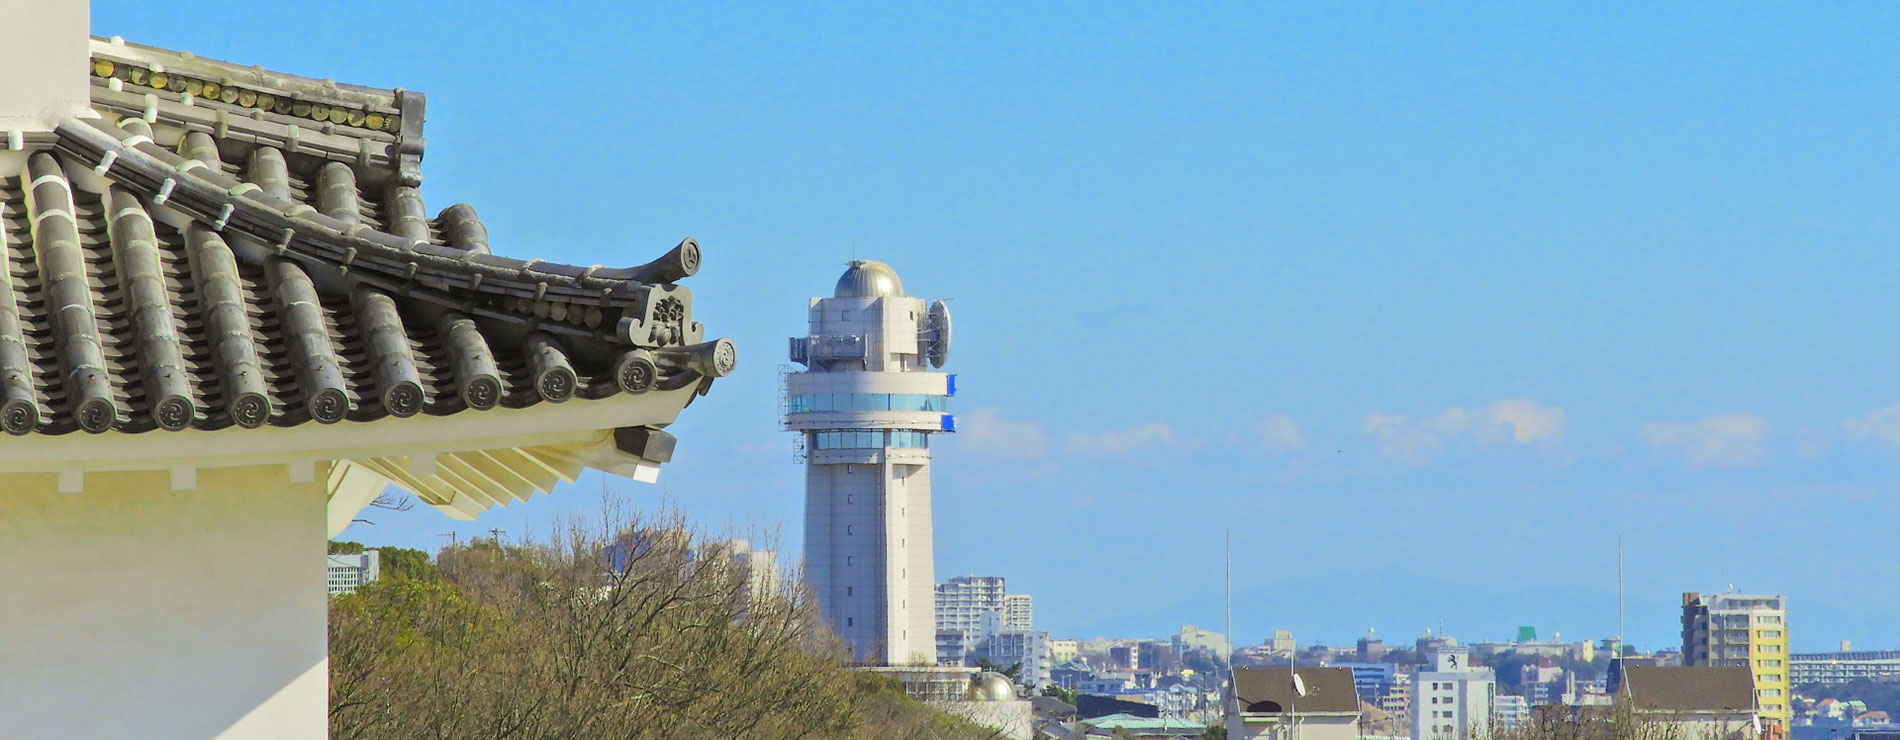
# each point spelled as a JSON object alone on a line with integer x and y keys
{"x": 949, "y": 422}
{"x": 952, "y": 380}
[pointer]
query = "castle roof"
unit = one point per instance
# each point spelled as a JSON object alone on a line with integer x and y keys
{"x": 218, "y": 247}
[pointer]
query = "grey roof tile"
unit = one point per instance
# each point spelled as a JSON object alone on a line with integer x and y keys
{"x": 1270, "y": 690}
{"x": 1689, "y": 688}
{"x": 224, "y": 281}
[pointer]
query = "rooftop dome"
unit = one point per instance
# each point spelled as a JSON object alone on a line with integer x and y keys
{"x": 868, "y": 279}
{"x": 989, "y": 686}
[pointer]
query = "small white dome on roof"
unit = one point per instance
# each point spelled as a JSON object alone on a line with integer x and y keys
{"x": 868, "y": 279}
{"x": 988, "y": 686}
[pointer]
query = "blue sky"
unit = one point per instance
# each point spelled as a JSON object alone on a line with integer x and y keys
{"x": 1428, "y": 304}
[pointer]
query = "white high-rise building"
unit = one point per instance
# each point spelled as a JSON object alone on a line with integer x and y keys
{"x": 1452, "y": 700}
{"x": 962, "y": 601}
{"x": 349, "y": 572}
{"x": 1019, "y": 611}
{"x": 865, "y": 407}
{"x": 1750, "y": 630}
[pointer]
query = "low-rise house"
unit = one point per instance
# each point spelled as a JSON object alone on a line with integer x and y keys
{"x": 1267, "y": 702}
{"x": 1698, "y": 701}
{"x": 1128, "y": 725}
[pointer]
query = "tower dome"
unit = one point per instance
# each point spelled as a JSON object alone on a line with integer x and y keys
{"x": 868, "y": 279}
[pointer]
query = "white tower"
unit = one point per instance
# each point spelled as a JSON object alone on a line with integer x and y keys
{"x": 866, "y": 406}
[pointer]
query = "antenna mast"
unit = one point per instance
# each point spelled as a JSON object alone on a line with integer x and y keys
{"x": 1229, "y": 652}
{"x": 1619, "y": 597}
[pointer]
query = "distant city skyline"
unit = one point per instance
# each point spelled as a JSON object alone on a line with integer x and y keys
{"x": 1428, "y": 305}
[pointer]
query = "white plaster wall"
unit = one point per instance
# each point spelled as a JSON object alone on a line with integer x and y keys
{"x": 44, "y": 52}
{"x": 130, "y": 610}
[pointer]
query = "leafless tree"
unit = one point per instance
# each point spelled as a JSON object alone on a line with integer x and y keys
{"x": 618, "y": 626}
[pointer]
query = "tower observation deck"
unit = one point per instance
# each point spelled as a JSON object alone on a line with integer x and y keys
{"x": 867, "y": 405}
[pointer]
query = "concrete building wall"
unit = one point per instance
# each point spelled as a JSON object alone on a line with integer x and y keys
{"x": 1305, "y": 727}
{"x": 1453, "y": 701}
{"x": 1705, "y": 725}
{"x": 911, "y": 572}
{"x": 133, "y": 610}
{"x": 1011, "y": 719}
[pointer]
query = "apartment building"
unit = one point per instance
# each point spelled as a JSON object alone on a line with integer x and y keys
{"x": 1749, "y": 630}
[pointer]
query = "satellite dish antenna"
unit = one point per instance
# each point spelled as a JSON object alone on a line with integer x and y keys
{"x": 1299, "y": 685}
{"x": 1756, "y": 720}
{"x": 937, "y": 334}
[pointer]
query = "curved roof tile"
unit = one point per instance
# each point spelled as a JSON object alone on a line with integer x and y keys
{"x": 217, "y": 280}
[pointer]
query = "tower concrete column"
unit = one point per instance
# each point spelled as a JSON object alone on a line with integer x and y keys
{"x": 866, "y": 407}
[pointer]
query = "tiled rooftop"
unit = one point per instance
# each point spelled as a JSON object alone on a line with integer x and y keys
{"x": 186, "y": 261}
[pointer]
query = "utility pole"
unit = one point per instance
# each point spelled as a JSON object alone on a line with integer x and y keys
{"x": 452, "y": 538}
{"x": 1230, "y": 606}
{"x": 497, "y": 533}
{"x": 1228, "y": 653}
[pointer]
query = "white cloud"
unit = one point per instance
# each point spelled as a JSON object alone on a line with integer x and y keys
{"x": 1277, "y": 434}
{"x": 1401, "y": 438}
{"x": 1725, "y": 440}
{"x": 1511, "y": 420}
{"x": 1111, "y": 441}
{"x": 1529, "y": 422}
{"x": 1883, "y": 424}
{"x": 985, "y": 432}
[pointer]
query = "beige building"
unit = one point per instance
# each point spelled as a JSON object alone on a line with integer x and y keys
{"x": 1698, "y": 702}
{"x": 1744, "y": 630}
{"x": 1063, "y": 651}
{"x": 1270, "y": 704}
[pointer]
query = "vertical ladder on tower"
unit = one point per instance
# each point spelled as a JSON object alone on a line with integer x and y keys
{"x": 784, "y": 413}
{"x": 784, "y": 397}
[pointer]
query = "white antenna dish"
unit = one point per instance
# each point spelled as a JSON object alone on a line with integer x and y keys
{"x": 1756, "y": 720}
{"x": 1299, "y": 685}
